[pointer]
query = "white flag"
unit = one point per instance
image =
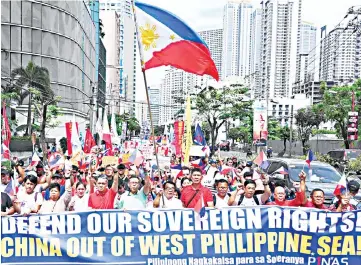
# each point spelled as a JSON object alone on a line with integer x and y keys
{"x": 113, "y": 127}
{"x": 75, "y": 142}
{"x": 98, "y": 126}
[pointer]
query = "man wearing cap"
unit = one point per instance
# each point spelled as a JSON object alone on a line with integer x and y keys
{"x": 6, "y": 182}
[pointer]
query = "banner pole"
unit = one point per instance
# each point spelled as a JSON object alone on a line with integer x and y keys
{"x": 145, "y": 83}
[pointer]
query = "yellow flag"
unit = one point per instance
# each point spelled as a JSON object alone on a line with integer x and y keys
{"x": 189, "y": 140}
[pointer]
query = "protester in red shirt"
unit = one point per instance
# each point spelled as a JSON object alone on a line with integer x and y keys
{"x": 192, "y": 194}
{"x": 103, "y": 198}
{"x": 317, "y": 200}
{"x": 280, "y": 194}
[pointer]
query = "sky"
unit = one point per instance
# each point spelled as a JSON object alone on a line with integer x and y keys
{"x": 208, "y": 14}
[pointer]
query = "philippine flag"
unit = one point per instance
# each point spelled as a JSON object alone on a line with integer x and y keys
{"x": 309, "y": 158}
{"x": 282, "y": 171}
{"x": 166, "y": 40}
{"x": 341, "y": 186}
{"x": 261, "y": 160}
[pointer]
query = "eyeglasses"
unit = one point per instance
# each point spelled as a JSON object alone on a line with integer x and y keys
{"x": 318, "y": 197}
{"x": 169, "y": 189}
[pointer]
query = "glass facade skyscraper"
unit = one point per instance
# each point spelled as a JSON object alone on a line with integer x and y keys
{"x": 58, "y": 35}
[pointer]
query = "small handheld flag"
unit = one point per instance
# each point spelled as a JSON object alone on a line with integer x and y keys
{"x": 310, "y": 157}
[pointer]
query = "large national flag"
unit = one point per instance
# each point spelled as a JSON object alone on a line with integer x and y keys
{"x": 166, "y": 40}
{"x": 198, "y": 137}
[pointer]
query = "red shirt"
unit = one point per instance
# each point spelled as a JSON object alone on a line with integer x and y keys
{"x": 298, "y": 201}
{"x": 104, "y": 200}
{"x": 188, "y": 192}
{"x": 310, "y": 204}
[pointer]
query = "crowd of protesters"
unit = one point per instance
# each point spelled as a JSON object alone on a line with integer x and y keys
{"x": 123, "y": 186}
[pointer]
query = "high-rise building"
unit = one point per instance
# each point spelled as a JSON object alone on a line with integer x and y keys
{"x": 154, "y": 99}
{"x": 340, "y": 55}
{"x": 128, "y": 49}
{"x": 236, "y": 38}
{"x": 307, "y": 54}
{"x": 253, "y": 79}
{"x": 111, "y": 39}
{"x": 57, "y": 35}
{"x": 281, "y": 21}
{"x": 177, "y": 84}
{"x": 164, "y": 99}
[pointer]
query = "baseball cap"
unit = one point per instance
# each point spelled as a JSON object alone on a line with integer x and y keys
{"x": 121, "y": 167}
{"x": 4, "y": 171}
{"x": 249, "y": 164}
{"x": 353, "y": 186}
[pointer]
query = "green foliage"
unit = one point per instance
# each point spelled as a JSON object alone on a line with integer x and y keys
{"x": 354, "y": 164}
{"x": 118, "y": 122}
{"x": 21, "y": 138}
{"x": 236, "y": 133}
{"x": 274, "y": 129}
{"x": 132, "y": 123}
{"x": 336, "y": 104}
{"x": 316, "y": 131}
{"x": 158, "y": 130}
{"x": 306, "y": 120}
{"x": 215, "y": 106}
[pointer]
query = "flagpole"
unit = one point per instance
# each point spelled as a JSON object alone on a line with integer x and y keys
{"x": 145, "y": 83}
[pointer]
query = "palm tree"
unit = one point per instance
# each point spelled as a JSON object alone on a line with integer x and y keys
{"x": 31, "y": 77}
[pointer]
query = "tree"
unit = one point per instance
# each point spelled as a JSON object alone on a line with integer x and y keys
{"x": 217, "y": 105}
{"x": 32, "y": 77}
{"x": 273, "y": 129}
{"x": 336, "y": 104}
{"x": 235, "y": 134}
{"x": 158, "y": 129}
{"x": 132, "y": 123}
{"x": 307, "y": 119}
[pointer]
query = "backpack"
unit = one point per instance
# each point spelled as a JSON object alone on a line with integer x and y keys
{"x": 215, "y": 198}
{"x": 255, "y": 198}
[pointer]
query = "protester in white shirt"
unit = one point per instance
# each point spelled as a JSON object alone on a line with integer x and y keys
{"x": 220, "y": 199}
{"x": 248, "y": 198}
{"x": 29, "y": 199}
{"x": 166, "y": 198}
{"x": 79, "y": 202}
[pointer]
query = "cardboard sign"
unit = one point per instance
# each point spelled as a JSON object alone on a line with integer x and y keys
{"x": 110, "y": 160}
{"x": 147, "y": 151}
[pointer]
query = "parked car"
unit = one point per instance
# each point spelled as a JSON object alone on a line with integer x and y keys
{"x": 324, "y": 176}
{"x": 340, "y": 157}
{"x": 225, "y": 145}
